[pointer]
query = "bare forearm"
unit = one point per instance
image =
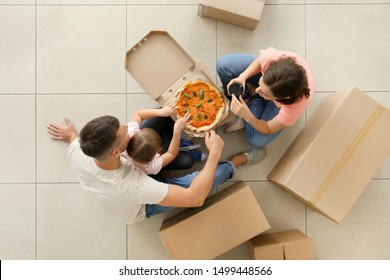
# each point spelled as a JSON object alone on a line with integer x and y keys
{"x": 203, "y": 182}
{"x": 173, "y": 148}
{"x": 253, "y": 69}
{"x": 149, "y": 113}
{"x": 259, "y": 125}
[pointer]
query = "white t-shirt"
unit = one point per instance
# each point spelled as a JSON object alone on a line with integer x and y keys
{"x": 122, "y": 192}
{"x": 152, "y": 167}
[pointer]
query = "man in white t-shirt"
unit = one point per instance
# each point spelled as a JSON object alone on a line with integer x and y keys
{"x": 122, "y": 189}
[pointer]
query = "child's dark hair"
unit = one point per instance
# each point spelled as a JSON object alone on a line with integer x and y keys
{"x": 144, "y": 145}
{"x": 287, "y": 80}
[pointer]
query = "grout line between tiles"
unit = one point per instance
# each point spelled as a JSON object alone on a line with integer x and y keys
{"x": 36, "y": 142}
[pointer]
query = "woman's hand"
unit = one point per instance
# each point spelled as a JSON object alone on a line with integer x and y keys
{"x": 240, "y": 108}
{"x": 237, "y": 80}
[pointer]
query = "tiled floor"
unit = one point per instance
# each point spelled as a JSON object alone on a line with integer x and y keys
{"x": 66, "y": 58}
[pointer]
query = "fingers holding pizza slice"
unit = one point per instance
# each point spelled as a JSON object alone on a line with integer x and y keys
{"x": 203, "y": 102}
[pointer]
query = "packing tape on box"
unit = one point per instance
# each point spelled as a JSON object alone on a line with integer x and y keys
{"x": 347, "y": 154}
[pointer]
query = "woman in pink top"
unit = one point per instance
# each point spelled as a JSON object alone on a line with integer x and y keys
{"x": 277, "y": 87}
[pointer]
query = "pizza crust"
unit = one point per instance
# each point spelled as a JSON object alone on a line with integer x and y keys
{"x": 218, "y": 115}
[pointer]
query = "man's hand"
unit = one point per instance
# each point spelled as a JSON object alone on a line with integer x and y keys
{"x": 64, "y": 133}
{"x": 214, "y": 143}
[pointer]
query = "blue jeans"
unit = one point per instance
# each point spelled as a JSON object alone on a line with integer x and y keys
{"x": 230, "y": 67}
{"x": 225, "y": 170}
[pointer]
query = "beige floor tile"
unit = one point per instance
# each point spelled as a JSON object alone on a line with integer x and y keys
{"x": 363, "y": 234}
{"x": 137, "y": 102}
{"x": 52, "y": 162}
{"x": 143, "y": 240}
{"x": 278, "y": 2}
{"x": 80, "y": 49}
{"x": 80, "y": 2}
{"x": 18, "y": 2}
{"x": 280, "y": 26}
{"x": 17, "y": 122}
{"x": 162, "y": 2}
{"x": 17, "y": 215}
{"x": 71, "y": 226}
{"x": 193, "y": 33}
{"x": 346, "y": 46}
{"x": 346, "y": 1}
{"x": 17, "y": 52}
{"x": 236, "y": 143}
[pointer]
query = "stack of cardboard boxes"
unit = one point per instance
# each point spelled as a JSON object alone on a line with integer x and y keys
{"x": 327, "y": 166}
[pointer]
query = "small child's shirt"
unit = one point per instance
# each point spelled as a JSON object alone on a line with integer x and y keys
{"x": 152, "y": 167}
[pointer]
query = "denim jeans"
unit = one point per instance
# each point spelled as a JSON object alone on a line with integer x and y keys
{"x": 230, "y": 67}
{"x": 225, "y": 170}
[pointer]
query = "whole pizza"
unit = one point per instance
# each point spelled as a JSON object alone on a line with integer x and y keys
{"x": 203, "y": 101}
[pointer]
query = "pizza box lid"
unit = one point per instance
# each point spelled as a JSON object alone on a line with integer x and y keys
{"x": 161, "y": 66}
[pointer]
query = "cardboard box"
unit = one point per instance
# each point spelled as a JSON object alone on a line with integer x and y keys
{"x": 286, "y": 245}
{"x": 161, "y": 66}
{"x": 244, "y": 13}
{"x": 227, "y": 219}
{"x": 337, "y": 153}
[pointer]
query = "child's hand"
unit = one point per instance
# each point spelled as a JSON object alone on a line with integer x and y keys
{"x": 182, "y": 122}
{"x": 168, "y": 111}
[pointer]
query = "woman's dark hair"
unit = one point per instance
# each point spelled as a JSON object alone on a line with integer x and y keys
{"x": 144, "y": 145}
{"x": 287, "y": 80}
{"x": 98, "y": 136}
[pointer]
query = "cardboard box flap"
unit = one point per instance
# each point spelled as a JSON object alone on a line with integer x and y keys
{"x": 244, "y": 8}
{"x": 157, "y": 61}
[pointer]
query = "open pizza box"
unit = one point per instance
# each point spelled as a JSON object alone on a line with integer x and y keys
{"x": 161, "y": 66}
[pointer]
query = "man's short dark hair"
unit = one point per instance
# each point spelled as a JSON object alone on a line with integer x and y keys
{"x": 98, "y": 136}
